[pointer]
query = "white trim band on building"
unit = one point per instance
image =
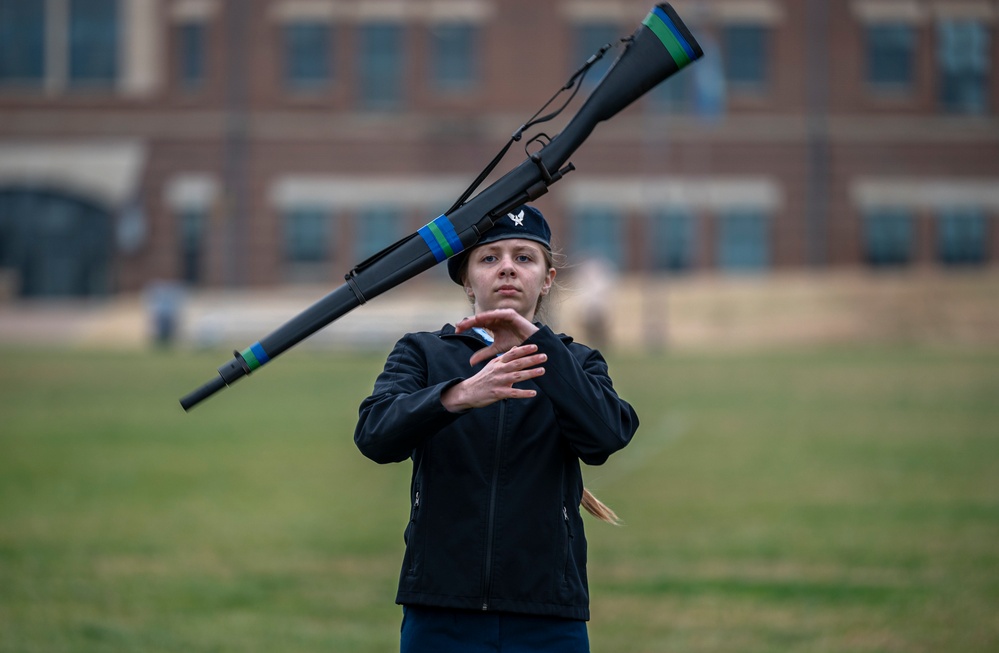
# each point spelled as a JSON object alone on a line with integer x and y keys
{"x": 308, "y": 10}
{"x": 431, "y": 194}
{"x": 193, "y": 10}
{"x": 896, "y": 11}
{"x": 913, "y": 11}
{"x": 925, "y": 193}
{"x": 191, "y": 191}
{"x": 767, "y": 12}
{"x": 396, "y": 10}
{"x": 965, "y": 9}
{"x": 583, "y": 11}
{"x": 107, "y": 172}
{"x": 694, "y": 192}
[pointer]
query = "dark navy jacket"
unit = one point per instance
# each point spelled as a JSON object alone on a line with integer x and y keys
{"x": 495, "y": 521}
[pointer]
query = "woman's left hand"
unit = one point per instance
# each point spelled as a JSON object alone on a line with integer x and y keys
{"x": 509, "y": 329}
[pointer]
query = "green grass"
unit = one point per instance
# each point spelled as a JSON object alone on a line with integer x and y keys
{"x": 813, "y": 501}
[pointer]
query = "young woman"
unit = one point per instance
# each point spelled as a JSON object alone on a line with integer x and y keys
{"x": 496, "y": 413}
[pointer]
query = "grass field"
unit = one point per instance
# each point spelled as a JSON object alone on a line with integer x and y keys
{"x": 816, "y": 501}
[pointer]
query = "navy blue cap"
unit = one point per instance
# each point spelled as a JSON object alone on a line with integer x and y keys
{"x": 525, "y": 222}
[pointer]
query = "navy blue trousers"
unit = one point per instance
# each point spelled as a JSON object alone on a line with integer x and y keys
{"x": 431, "y": 630}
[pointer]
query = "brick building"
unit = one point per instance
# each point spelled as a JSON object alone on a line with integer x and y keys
{"x": 260, "y": 142}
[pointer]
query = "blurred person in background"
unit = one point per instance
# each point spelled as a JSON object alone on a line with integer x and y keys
{"x": 164, "y": 302}
{"x": 595, "y": 279}
{"x": 496, "y": 414}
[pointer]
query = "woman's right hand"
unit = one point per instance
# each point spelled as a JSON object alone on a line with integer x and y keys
{"x": 495, "y": 381}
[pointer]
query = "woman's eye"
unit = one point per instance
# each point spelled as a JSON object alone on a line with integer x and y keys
{"x": 524, "y": 258}
{"x": 489, "y": 258}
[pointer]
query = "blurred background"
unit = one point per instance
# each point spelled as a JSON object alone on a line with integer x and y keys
{"x": 787, "y": 252}
{"x": 833, "y": 164}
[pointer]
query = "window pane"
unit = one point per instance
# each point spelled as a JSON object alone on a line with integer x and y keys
{"x": 699, "y": 89}
{"x": 673, "y": 240}
{"x": 675, "y": 95}
{"x": 589, "y": 38}
{"x": 888, "y": 237}
{"x": 963, "y": 58}
{"x": 743, "y": 240}
{"x": 890, "y": 54}
{"x": 93, "y": 41}
{"x": 191, "y": 42}
{"x": 306, "y": 54}
{"x": 58, "y": 244}
{"x": 962, "y": 236}
{"x": 377, "y": 228}
{"x": 380, "y": 62}
{"x": 192, "y": 229}
{"x": 746, "y": 54}
{"x": 307, "y": 235}
{"x": 597, "y": 234}
{"x": 454, "y": 55}
{"x": 22, "y": 41}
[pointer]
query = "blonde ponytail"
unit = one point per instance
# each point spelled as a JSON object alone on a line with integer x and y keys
{"x": 596, "y": 507}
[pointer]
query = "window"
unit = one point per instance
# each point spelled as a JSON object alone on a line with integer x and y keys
{"x": 192, "y": 52}
{"x": 22, "y": 42}
{"x": 60, "y": 245}
{"x": 192, "y": 236}
{"x": 746, "y": 52}
{"x": 696, "y": 89}
{"x": 673, "y": 240}
{"x": 962, "y": 236}
{"x": 888, "y": 236}
{"x": 743, "y": 240}
{"x": 377, "y": 228}
{"x": 306, "y": 55}
{"x": 454, "y": 56}
{"x": 675, "y": 95}
{"x": 589, "y": 38}
{"x": 93, "y": 42}
{"x": 597, "y": 234}
{"x": 307, "y": 235}
{"x": 963, "y": 60}
{"x": 890, "y": 56}
{"x": 381, "y": 61}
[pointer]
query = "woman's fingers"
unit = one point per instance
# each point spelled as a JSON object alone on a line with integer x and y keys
{"x": 497, "y": 379}
{"x": 520, "y": 366}
{"x": 512, "y": 354}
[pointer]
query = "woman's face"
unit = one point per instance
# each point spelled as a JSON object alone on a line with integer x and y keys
{"x": 511, "y": 273}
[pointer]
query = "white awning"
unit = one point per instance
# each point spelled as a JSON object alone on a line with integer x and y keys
{"x": 925, "y": 192}
{"x": 107, "y": 172}
{"x": 643, "y": 193}
{"x": 352, "y": 192}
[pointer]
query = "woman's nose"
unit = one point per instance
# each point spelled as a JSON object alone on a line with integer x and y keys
{"x": 507, "y": 267}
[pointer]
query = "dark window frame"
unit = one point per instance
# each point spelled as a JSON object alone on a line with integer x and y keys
{"x": 890, "y": 56}
{"x": 307, "y": 49}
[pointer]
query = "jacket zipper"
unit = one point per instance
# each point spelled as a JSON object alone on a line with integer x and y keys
{"x": 568, "y": 541}
{"x": 487, "y": 581}
{"x": 412, "y": 521}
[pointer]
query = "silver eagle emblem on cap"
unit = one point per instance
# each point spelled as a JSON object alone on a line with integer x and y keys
{"x": 518, "y": 220}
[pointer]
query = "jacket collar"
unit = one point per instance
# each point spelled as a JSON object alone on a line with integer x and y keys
{"x": 447, "y": 331}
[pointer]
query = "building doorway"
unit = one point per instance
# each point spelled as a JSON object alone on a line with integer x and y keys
{"x": 54, "y": 244}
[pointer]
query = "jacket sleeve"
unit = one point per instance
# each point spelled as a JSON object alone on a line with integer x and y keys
{"x": 591, "y": 415}
{"x": 402, "y": 410}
